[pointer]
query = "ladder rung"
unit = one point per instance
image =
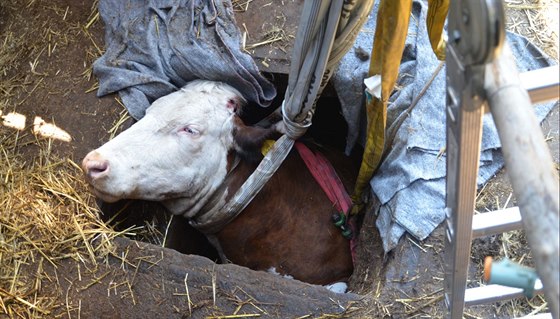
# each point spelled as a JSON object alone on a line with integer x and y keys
{"x": 496, "y": 222}
{"x": 493, "y": 293}
{"x": 542, "y": 84}
{"x": 538, "y": 316}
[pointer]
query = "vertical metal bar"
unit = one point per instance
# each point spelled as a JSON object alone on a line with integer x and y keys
{"x": 464, "y": 131}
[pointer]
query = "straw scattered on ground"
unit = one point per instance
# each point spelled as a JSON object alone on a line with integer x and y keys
{"x": 47, "y": 215}
{"x": 537, "y": 20}
{"x": 273, "y": 33}
{"x": 46, "y": 212}
{"x": 241, "y": 5}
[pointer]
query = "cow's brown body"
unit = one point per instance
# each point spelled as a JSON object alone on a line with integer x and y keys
{"x": 289, "y": 225}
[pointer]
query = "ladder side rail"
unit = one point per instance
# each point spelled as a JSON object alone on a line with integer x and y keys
{"x": 464, "y": 112}
{"x": 530, "y": 169}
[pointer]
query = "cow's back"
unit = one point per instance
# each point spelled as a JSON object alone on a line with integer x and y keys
{"x": 288, "y": 226}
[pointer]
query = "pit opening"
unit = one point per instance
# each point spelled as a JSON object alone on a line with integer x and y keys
{"x": 329, "y": 129}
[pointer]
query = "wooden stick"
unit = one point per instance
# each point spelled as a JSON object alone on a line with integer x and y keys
{"x": 530, "y": 169}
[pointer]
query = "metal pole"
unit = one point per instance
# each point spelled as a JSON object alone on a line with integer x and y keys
{"x": 464, "y": 132}
{"x": 475, "y": 30}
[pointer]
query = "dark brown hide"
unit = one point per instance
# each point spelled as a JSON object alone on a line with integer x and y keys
{"x": 249, "y": 139}
{"x": 288, "y": 224}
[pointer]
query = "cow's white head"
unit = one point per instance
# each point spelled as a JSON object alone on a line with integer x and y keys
{"x": 177, "y": 153}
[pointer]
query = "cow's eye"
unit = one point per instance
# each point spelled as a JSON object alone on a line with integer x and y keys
{"x": 191, "y": 130}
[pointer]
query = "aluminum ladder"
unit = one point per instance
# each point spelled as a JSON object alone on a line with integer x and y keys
{"x": 475, "y": 39}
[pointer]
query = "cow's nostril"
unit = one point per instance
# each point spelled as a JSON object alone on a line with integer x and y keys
{"x": 95, "y": 167}
{"x": 98, "y": 167}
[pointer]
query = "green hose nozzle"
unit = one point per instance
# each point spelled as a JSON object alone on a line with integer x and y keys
{"x": 508, "y": 273}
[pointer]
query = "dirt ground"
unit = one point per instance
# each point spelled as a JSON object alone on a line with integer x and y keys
{"x": 48, "y": 48}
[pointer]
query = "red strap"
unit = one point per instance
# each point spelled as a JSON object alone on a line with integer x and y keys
{"x": 326, "y": 176}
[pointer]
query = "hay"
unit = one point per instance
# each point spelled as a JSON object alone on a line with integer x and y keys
{"x": 240, "y": 5}
{"x": 276, "y": 34}
{"x": 46, "y": 212}
{"x": 537, "y": 20}
{"x": 47, "y": 215}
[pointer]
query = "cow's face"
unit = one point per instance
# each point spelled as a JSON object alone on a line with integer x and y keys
{"x": 177, "y": 151}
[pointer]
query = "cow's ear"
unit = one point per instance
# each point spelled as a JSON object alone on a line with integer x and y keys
{"x": 248, "y": 140}
{"x": 234, "y": 104}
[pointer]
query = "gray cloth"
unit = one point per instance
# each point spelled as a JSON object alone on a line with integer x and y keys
{"x": 410, "y": 183}
{"x": 155, "y": 47}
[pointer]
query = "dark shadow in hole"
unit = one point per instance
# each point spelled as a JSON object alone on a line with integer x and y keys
{"x": 176, "y": 231}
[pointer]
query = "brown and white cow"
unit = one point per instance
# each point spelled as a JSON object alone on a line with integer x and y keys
{"x": 180, "y": 153}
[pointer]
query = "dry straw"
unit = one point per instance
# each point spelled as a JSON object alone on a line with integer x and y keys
{"x": 537, "y": 20}
{"x": 46, "y": 212}
{"x": 46, "y": 215}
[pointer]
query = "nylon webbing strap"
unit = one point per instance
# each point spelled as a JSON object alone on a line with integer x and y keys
{"x": 314, "y": 41}
{"x": 388, "y": 46}
{"x": 212, "y": 223}
{"x": 437, "y": 13}
{"x": 326, "y": 176}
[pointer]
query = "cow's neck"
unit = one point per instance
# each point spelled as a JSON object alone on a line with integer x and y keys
{"x": 221, "y": 195}
{"x": 214, "y": 216}
{"x": 212, "y": 197}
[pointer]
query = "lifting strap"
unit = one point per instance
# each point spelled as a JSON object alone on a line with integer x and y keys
{"x": 327, "y": 30}
{"x": 388, "y": 46}
{"x": 326, "y": 176}
{"x": 437, "y": 12}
